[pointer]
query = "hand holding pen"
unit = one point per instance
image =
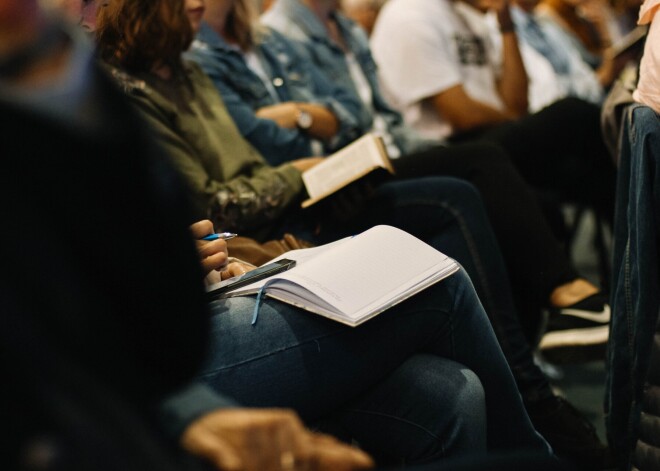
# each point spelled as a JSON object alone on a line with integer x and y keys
{"x": 211, "y": 247}
{"x": 219, "y": 235}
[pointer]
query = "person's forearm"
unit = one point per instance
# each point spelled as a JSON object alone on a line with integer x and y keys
{"x": 480, "y": 114}
{"x": 464, "y": 113}
{"x": 513, "y": 83}
{"x": 324, "y": 123}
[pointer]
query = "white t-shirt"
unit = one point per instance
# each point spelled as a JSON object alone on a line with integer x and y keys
{"x": 648, "y": 87}
{"x": 424, "y": 47}
{"x": 379, "y": 125}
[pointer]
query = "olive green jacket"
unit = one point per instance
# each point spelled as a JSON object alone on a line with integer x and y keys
{"x": 231, "y": 183}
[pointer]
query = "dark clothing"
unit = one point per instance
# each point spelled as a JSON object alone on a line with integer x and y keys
{"x": 633, "y": 363}
{"x": 559, "y": 149}
{"x": 535, "y": 261}
{"x": 97, "y": 323}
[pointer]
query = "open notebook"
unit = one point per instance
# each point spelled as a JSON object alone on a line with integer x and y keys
{"x": 356, "y": 278}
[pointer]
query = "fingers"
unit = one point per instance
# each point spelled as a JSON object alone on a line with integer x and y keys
{"x": 235, "y": 269}
{"x": 334, "y": 455}
{"x": 268, "y": 440}
{"x": 213, "y": 255}
{"x": 208, "y": 445}
{"x": 201, "y": 228}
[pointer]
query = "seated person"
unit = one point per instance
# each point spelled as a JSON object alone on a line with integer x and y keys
{"x": 307, "y": 362}
{"x": 477, "y": 96}
{"x": 216, "y": 177}
{"x": 544, "y": 44}
{"x": 591, "y": 25}
{"x": 577, "y": 76}
{"x": 632, "y": 374}
{"x": 101, "y": 319}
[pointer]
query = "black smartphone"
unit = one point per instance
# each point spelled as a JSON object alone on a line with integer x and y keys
{"x": 218, "y": 289}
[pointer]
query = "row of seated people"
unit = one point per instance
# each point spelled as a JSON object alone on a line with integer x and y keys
{"x": 158, "y": 85}
{"x": 436, "y": 210}
{"x": 120, "y": 318}
{"x": 268, "y": 82}
{"x": 474, "y": 271}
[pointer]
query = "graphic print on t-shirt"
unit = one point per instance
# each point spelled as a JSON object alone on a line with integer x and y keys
{"x": 471, "y": 49}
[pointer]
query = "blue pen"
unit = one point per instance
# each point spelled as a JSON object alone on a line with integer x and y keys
{"x": 219, "y": 235}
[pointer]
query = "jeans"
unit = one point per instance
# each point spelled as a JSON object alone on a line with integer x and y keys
{"x": 448, "y": 214}
{"x": 420, "y": 382}
{"x": 536, "y": 263}
{"x": 636, "y": 294}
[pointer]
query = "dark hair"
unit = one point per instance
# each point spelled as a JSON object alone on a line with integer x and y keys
{"x": 138, "y": 35}
{"x": 241, "y": 24}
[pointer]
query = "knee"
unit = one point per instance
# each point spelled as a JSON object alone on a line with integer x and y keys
{"x": 453, "y": 400}
{"x": 457, "y": 193}
{"x": 448, "y": 192}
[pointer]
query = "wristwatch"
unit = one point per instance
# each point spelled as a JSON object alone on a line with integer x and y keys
{"x": 304, "y": 120}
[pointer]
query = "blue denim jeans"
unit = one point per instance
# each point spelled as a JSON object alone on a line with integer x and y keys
{"x": 423, "y": 381}
{"x": 635, "y": 296}
{"x": 448, "y": 214}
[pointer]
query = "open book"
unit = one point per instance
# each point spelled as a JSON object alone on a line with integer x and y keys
{"x": 345, "y": 166}
{"x": 356, "y": 278}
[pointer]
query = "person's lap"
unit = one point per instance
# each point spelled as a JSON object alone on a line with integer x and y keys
{"x": 448, "y": 214}
{"x": 292, "y": 358}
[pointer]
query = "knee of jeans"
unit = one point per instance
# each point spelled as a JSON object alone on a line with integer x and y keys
{"x": 455, "y": 401}
{"x": 460, "y": 281}
{"x": 462, "y": 196}
{"x": 471, "y": 399}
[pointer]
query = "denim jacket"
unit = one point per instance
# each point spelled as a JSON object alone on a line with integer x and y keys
{"x": 297, "y": 21}
{"x": 293, "y": 79}
{"x": 632, "y": 402}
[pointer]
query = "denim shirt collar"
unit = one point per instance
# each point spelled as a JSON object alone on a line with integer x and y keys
{"x": 306, "y": 20}
{"x": 347, "y": 29}
{"x": 211, "y": 39}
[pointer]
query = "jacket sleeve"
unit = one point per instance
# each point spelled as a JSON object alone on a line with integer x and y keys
{"x": 259, "y": 195}
{"x": 344, "y": 104}
{"x": 184, "y": 406}
{"x": 275, "y": 143}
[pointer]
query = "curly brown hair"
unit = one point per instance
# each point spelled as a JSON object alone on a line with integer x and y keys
{"x": 140, "y": 35}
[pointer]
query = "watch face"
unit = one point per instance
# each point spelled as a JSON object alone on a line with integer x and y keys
{"x": 304, "y": 120}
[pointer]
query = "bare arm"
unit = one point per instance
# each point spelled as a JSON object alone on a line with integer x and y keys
{"x": 464, "y": 113}
{"x": 324, "y": 122}
{"x": 513, "y": 82}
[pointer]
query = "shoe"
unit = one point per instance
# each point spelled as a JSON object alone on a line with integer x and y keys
{"x": 578, "y": 332}
{"x": 572, "y": 437}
